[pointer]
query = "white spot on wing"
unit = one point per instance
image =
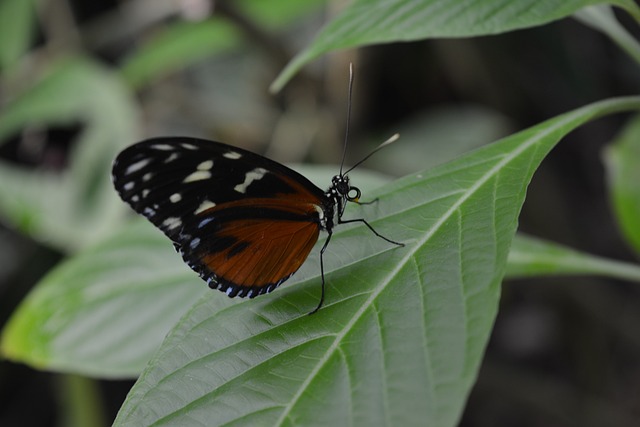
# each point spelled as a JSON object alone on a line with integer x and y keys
{"x": 145, "y": 193}
{"x": 172, "y": 157}
{"x": 147, "y": 176}
{"x": 232, "y": 155}
{"x": 189, "y": 146}
{"x": 254, "y": 175}
{"x": 175, "y": 197}
{"x": 128, "y": 186}
{"x": 172, "y": 222}
{"x": 207, "y": 204}
{"x": 165, "y": 147}
{"x": 135, "y": 198}
{"x": 205, "y": 166}
{"x": 148, "y": 212}
{"x": 194, "y": 243}
{"x": 137, "y": 166}
{"x": 205, "y": 222}
{"x": 197, "y": 176}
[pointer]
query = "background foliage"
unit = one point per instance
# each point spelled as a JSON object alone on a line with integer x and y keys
{"x": 87, "y": 295}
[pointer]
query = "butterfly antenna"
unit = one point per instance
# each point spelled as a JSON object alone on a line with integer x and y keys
{"x": 393, "y": 139}
{"x": 346, "y": 133}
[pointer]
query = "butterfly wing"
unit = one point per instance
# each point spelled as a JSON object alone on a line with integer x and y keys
{"x": 256, "y": 247}
{"x": 243, "y": 222}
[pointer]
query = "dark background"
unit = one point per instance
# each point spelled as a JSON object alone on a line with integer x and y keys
{"x": 564, "y": 351}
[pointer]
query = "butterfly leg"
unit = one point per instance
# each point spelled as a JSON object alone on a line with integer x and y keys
{"x": 370, "y": 202}
{"x": 324, "y": 247}
{"x": 364, "y": 221}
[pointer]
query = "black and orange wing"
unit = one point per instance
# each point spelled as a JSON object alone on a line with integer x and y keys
{"x": 243, "y": 222}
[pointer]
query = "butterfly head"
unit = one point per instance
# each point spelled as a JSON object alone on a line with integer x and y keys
{"x": 342, "y": 188}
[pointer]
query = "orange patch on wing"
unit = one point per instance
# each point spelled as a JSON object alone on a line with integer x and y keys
{"x": 267, "y": 251}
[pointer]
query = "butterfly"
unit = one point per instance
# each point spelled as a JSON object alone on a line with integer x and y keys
{"x": 243, "y": 222}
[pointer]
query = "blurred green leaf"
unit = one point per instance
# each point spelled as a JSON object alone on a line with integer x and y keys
{"x": 74, "y": 207}
{"x": 403, "y": 331}
{"x": 366, "y": 180}
{"x": 275, "y": 14}
{"x": 622, "y": 159}
{"x": 601, "y": 17}
{"x": 532, "y": 257}
{"x": 105, "y": 311}
{"x": 176, "y": 46}
{"x": 17, "y": 18}
{"x": 183, "y": 43}
{"x": 440, "y": 135}
{"x": 366, "y": 22}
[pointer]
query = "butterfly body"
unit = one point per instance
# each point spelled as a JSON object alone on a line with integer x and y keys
{"x": 243, "y": 222}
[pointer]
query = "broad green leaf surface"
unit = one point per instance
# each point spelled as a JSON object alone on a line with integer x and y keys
{"x": 104, "y": 312}
{"x": 403, "y": 330}
{"x": 367, "y": 22}
{"x": 137, "y": 279}
{"x": 532, "y": 257}
{"x": 622, "y": 160}
{"x": 73, "y": 207}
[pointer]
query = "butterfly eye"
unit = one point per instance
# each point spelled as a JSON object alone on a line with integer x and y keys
{"x": 353, "y": 195}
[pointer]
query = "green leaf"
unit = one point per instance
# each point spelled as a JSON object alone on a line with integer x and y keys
{"x": 621, "y": 160}
{"x": 275, "y": 14}
{"x": 16, "y": 29}
{"x": 367, "y": 22}
{"x": 601, "y": 18}
{"x": 76, "y": 206}
{"x": 177, "y": 46}
{"x": 401, "y": 337}
{"x": 439, "y": 135}
{"x": 104, "y": 312}
{"x": 532, "y": 257}
{"x": 183, "y": 43}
